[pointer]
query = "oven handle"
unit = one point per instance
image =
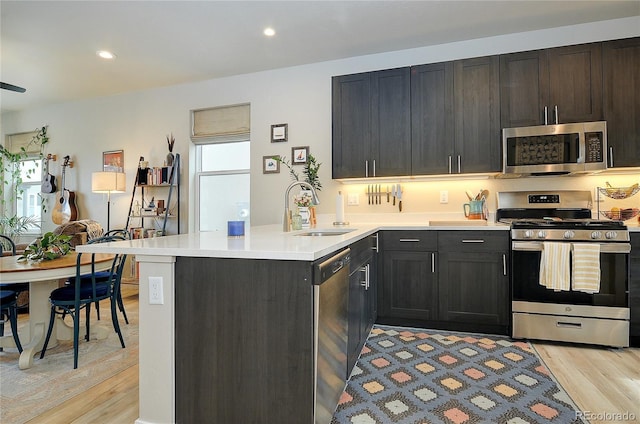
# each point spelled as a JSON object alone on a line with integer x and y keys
{"x": 536, "y": 246}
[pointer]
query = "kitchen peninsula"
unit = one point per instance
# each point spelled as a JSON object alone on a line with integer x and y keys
{"x": 230, "y": 335}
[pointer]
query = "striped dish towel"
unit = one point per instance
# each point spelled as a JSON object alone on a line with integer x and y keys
{"x": 586, "y": 267}
{"x": 554, "y": 266}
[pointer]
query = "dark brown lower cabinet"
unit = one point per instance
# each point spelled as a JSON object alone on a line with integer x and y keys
{"x": 454, "y": 280}
{"x": 408, "y": 288}
{"x": 473, "y": 278}
{"x": 634, "y": 290}
{"x": 244, "y": 341}
{"x": 362, "y": 297}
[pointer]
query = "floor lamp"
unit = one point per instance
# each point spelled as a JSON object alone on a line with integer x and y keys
{"x": 108, "y": 182}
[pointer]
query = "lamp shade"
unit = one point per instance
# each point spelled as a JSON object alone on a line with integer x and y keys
{"x": 108, "y": 182}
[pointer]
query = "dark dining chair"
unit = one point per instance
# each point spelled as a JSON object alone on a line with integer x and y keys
{"x": 7, "y": 245}
{"x": 102, "y": 276}
{"x": 8, "y": 299}
{"x": 71, "y": 299}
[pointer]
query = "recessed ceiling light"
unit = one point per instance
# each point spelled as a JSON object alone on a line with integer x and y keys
{"x": 105, "y": 54}
{"x": 269, "y": 32}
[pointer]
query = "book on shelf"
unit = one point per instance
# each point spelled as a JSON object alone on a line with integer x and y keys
{"x": 158, "y": 175}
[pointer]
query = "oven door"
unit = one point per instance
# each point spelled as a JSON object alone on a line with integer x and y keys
{"x": 614, "y": 277}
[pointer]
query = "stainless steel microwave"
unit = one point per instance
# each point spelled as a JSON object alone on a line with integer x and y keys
{"x": 555, "y": 149}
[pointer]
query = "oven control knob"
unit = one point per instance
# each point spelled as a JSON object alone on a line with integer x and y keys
{"x": 542, "y": 234}
{"x": 596, "y": 235}
{"x": 569, "y": 234}
{"x": 528, "y": 234}
{"x": 611, "y": 235}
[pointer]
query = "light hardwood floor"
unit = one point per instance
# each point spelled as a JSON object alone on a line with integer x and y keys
{"x": 599, "y": 380}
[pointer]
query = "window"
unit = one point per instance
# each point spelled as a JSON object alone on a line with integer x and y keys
{"x": 222, "y": 184}
{"x": 221, "y": 135}
{"x": 28, "y": 201}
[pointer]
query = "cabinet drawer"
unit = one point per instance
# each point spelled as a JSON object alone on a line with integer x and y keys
{"x": 409, "y": 240}
{"x": 362, "y": 251}
{"x": 472, "y": 241}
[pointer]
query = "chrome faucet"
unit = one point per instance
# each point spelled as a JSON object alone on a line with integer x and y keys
{"x": 287, "y": 212}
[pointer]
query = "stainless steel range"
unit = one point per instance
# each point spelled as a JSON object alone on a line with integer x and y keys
{"x": 569, "y": 273}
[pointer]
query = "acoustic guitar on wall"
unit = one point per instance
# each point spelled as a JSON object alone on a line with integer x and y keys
{"x": 48, "y": 180}
{"x": 65, "y": 209}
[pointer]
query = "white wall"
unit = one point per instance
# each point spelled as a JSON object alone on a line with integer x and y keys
{"x": 300, "y": 96}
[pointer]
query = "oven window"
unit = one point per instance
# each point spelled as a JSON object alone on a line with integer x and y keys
{"x": 614, "y": 275}
{"x": 543, "y": 149}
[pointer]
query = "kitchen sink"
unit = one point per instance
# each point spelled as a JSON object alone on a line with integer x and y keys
{"x": 323, "y": 233}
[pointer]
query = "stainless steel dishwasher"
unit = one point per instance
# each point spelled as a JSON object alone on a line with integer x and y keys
{"x": 330, "y": 301}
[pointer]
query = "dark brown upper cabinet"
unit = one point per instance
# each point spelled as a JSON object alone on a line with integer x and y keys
{"x": 371, "y": 124}
{"x": 621, "y": 100}
{"x": 534, "y": 84}
{"x": 455, "y": 117}
{"x": 351, "y": 119}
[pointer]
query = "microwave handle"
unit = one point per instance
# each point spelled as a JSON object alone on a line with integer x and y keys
{"x": 536, "y": 246}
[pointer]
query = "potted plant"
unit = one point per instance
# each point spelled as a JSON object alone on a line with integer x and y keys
{"x": 310, "y": 171}
{"x": 49, "y": 246}
{"x": 311, "y": 168}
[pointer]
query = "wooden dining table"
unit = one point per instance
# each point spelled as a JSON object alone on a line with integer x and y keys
{"x": 43, "y": 278}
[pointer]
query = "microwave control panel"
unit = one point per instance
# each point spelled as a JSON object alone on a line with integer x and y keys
{"x": 593, "y": 145}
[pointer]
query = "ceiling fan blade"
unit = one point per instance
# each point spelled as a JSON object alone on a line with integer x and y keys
{"x": 12, "y": 87}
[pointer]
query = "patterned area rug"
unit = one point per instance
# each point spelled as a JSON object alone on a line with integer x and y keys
{"x": 25, "y": 394}
{"x": 416, "y": 376}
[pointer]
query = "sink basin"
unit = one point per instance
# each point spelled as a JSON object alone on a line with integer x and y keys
{"x": 323, "y": 232}
{"x": 461, "y": 223}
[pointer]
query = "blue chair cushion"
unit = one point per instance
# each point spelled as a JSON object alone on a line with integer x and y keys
{"x": 7, "y": 297}
{"x": 68, "y": 293}
{"x": 101, "y": 276}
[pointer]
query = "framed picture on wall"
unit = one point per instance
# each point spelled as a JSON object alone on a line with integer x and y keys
{"x": 279, "y": 132}
{"x": 113, "y": 161}
{"x": 270, "y": 165}
{"x": 299, "y": 155}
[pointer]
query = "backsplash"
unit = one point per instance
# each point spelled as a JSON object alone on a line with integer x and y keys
{"x": 425, "y": 196}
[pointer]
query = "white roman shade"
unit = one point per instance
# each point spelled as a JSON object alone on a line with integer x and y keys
{"x": 221, "y": 124}
{"x": 14, "y": 142}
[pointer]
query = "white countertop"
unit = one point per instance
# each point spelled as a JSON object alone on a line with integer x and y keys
{"x": 270, "y": 242}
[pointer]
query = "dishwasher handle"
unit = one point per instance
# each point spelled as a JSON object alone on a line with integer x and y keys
{"x": 329, "y": 267}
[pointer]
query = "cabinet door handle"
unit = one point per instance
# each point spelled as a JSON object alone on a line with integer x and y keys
{"x": 409, "y": 240}
{"x": 433, "y": 262}
{"x": 546, "y": 114}
{"x": 504, "y": 264}
{"x": 555, "y": 113}
{"x": 459, "y": 167}
{"x": 449, "y": 164}
{"x": 376, "y": 248}
{"x": 365, "y": 283}
{"x": 367, "y": 274}
{"x": 473, "y": 241}
{"x": 366, "y": 168}
{"x": 611, "y": 156}
{"x": 374, "y": 167}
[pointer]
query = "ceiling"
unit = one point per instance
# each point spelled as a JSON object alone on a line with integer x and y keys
{"x": 49, "y": 47}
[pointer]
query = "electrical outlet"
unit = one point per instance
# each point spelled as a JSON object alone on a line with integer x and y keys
{"x": 156, "y": 296}
{"x": 444, "y": 196}
{"x": 353, "y": 199}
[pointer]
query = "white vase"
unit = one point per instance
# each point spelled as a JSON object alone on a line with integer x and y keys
{"x": 305, "y": 215}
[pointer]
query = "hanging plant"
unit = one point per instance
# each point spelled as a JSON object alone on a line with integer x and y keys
{"x": 12, "y": 177}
